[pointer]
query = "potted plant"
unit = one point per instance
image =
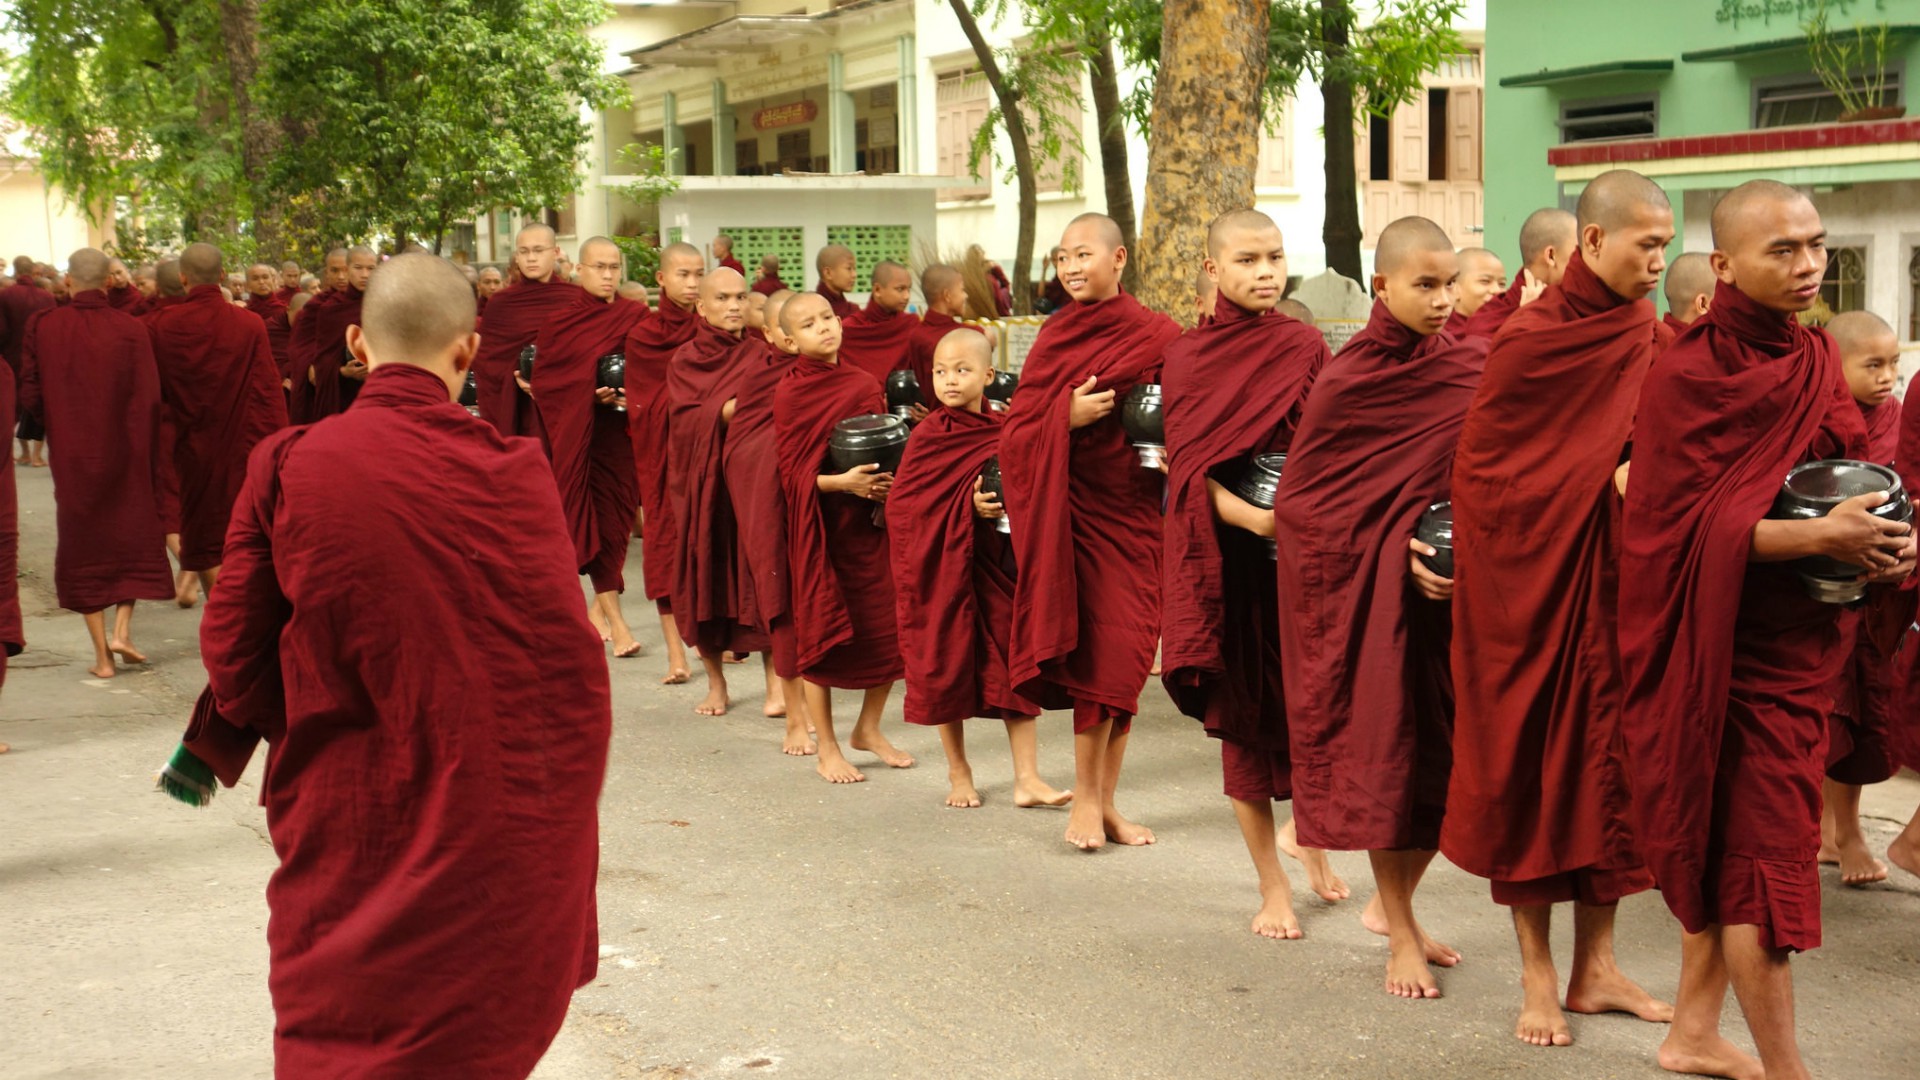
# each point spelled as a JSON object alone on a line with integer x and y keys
{"x": 1853, "y": 65}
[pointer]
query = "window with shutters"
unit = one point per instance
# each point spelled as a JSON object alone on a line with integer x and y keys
{"x": 961, "y": 104}
{"x": 1276, "y": 149}
{"x": 1424, "y": 157}
{"x": 1051, "y": 174}
{"x": 1636, "y": 117}
{"x": 1844, "y": 288}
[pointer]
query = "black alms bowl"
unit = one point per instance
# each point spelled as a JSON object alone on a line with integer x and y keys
{"x": 470, "y": 390}
{"x": 1435, "y": 529}
{"x": 991, "y": 484}
{"x": 903, "y": 392}
{"x": 873, "y": 439}
{"x": 1258, "y": 484}
{"x": 1145, "y": 424}
{"x": 1002, "y": 387}
{"x": 526, "y": 363}
{"x": 613, "y": 371}
{"x": 1814, "y": 489}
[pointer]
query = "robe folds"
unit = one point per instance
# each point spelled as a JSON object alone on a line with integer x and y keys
{"x": 877, "y": 341}
{"x": 953, "y": 575}
{"x": 222, "y": 393}
{"x": 1903, "y": 734}
{"x": 841, "y": 580}
{"x": 284, "y": 294}
{"x": 1232, "y": 390}
{"x": 128, "y": 299}
{"x": 926, "y": 338}
{"x": 13, "y": 636}
{"x": 837, "y": 300}
{"x": 1538, "y": 798}
{"x": 586, "y": 441}
{"x": 1728, "y": 662}
{"x": 1486, "y": 322}
{"x": 751, "y": 468}
{"x": 515, "y": 315}
{"x": 433, "y": 808}
{"x": 733, "y": 264}
{"x": 1456, "y": 324}
{"x": 19, "y": 302}
{"x": 319, "y": 344}
{"x": 1363, "y": 654}
{"x": 650, "y": 348}
{"x": 1860, "y": 727}
{"x": 712, "y": 590}
{"x": 1086, "y": 533}
{"x": 1674, "y": 325}
{"x": 767, "y": 286}
{"x": 90, "y": 379}
{"x": 273, "y": 313}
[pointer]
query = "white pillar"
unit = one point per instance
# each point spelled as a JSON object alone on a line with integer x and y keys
{"x": 723, "y": 160}
{"x": 671, "y": 138}
{"x": 840, "y": 141}
{"x": 907, "y": 107}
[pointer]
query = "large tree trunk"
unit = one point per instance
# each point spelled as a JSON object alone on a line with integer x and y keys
{"x": 1113, "y": 144}
{"x": 259, "y": 136}
{"x": 1206, "y": 139}
{"x": 1010, "y": 115}
{"x": 1341, "y": 229}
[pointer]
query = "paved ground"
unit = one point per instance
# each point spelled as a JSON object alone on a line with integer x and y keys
{"x": 756, "y": 921}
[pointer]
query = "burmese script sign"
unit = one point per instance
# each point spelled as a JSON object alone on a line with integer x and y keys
{"x": 779, "y": 116}
{"x": 1790, "y": 13}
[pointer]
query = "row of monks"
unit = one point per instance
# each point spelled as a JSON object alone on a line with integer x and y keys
{"x": 1623, "y": 685}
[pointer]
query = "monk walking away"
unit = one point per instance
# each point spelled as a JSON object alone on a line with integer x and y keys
{"x": 953, "y": 577}
{"x": 89, "y": 379}
{"x": 1538, "y": 797}
{"x": 1234, "y": 390}
{"x": 1086, "y": 523}
{"x": 1689, "y": 290}
{"x": 1728, "y": 660}
{"x": 1364, "y": 623}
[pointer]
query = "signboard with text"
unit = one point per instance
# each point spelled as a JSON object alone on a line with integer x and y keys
{"x": 779, "y": 116}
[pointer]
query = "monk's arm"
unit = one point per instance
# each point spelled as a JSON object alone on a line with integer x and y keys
{"x": 240, "y": 632}
{"x": 1848, "y": 533}
{"x": 1231, "y": 509}
{"x": 726, "y": 411}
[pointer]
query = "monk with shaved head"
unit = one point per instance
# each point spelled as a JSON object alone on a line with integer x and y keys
{"x": 945, "y": 289}
{"x": 325, "y": 374}
{"x": 835, "y": 266}
{"x": 1482, "y": 277}
{"x": 289, "y": 282}
{"x": 264, "y": 301}
{"x": 1728, "y": 658}
{"x": 515, "y": 315}
{"x": 414, "y": 690}
{"x": 18, "y": 304}
{"x": 1364, "y": 623}
{"x": 120, "y": 290}
{"x": 878, "y": 339}
{"x": 1547, "y": 241}
{"x": 1689, "y": 290}
{"x": 1233, "y": 391}
{"x": 767, "y": 281}
{"x": 1538, "y": 797}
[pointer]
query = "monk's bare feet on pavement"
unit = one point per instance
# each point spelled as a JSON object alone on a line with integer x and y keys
{"x": 776, "y": 706}
{"x": 715, "y": 703}
{"x": 1712, "y": 1057}
{"x": 836, "y": 769}
{"x": 1905, "y": 853}
{"x": 1084, "y": 829}
{"x": 126, "y": 652}
{"x": 731, "y": 657}
{"x": 1541, "y": 1021}
{"x": 625, "y": 645}
{"x": 1857, "y": 864}
{"x": 102, "y": 671}
{"x": 1121, "y": 831}
{"x": 1276, "y": 919}
{"x": 876, "y": 744}
{"x": 1028, "y": 794}
{"x": 599, "y": 622}
{"x": 1408, "y": 975}
{"x": 1610, "y": 991}
{"x": 961, "y": 794}
{"x": 799, "y": 741}
{"x": 1321, "y": 878}
{"x": 1375, "y": 920}
{"x": 676, "y": 676}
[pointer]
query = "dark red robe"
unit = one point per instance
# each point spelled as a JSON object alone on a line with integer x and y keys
{"x": 1486, "y": 322}
{"x": 934, "y": 326}
{"x": 127, "y": 298}
{"x": 1456, "y": 324}
{"x": 1086, "y": 534}
{"x": 1865, "y": 712}
{"x": 284, "y": 294}
{"x": 749, "y": 463}
{"x": 433, "y": 806}
{"x": 842, "y": 306}
{"x": 273, "y": 313}
{"x": 222, "y": 392}
{"x": 842, "y": 582}
{"x": 13, "y": 636}
{"x": 712, "y": 603}
{"x": 1233, "y": 389}
{"x": 733, "y": 264}
{"x": 1903, "y": 733}
{"x": 1538, "y": 798}
{"x": 1364, "y": 656}
{"x": 515, "y": 315}
{"x": 89, "y": 378}
{"x": 18, "y": 304}
{"x": 650, "y": 348}
{"x": 1728, "y": 662}
{"x": 877, "y": 341}
{"x": 319, "y": 345}
{"x": 768, "y": 286}
{"x": 1674, "y": 325}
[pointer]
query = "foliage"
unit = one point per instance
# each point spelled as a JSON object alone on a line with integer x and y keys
{"x": 642, "y": 256}
{"x": 652, "y": 167}
{"x": 1837, "y": 55}
{"x": 1043, "y": 71}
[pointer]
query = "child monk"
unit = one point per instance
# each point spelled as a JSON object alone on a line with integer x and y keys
{"x": 1086, "y": 534}
{"x": 946, "y": 292}
{"x": 1364, "y": 625}
{"x": 843, "y": 606}
{"x": 1234, "y": 389}
{"x": 878, "y": 338}
{"x": 953, "y": 577}
{"x": 835, "y": 266}
{"x": 1482, "y": 277}
{"x": 1688, "y": 289}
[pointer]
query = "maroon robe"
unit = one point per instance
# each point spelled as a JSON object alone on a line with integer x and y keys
{"x": 1674, "y": 325}
{"x": 222, "y": 393}
{"x": 89, "y": 378}
{"x": 273, "y": 313}
{"x": 1538, "y": 798}
{"x": 515, "y": 315}
{"x": 13, "y": 636}
{"x": 734, "y": 265}
{"x": 650, "y": 348}
{"x": 1232, "y": 390}
{"x": 127, "y": 298}
{"x": 592, "y": 463}
{"x": 1727, "y": 661}
{"x": 425, "y": 802}
{"x": 19, "y": 302}
{"x": 1486, "y": 322}
{"x": 1903, "y": 734}
{"x": 842, "y": 583}
{"x": 1859, "y": 729}
{"x": 284, "y": 294}
{"x": 842, "y": 306}
{"x": 1086, "y": 534}
{"x": 319, "y": 344}
{"x": 1364, "y": 656}
{"x": 877, "y": 341}
{"x": 748, "y": 461}
{"x": 926, "y": 338}
{"x": 768, "y": 286}
{"x": 953, "y": 575}
{"x": 1456, "y": 324}
{"x": 711, "y": 588}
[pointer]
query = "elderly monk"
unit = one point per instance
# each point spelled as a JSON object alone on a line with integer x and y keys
{"x": 220, "y": 385}
{"x": 1728, "y": 661}
{"x": 1086, "y": 534}
{"x": 264, "y": 301}
{"x": 953, "y": 578}
{"x": 515, "y": 315}
{"x": 19, "y": 302}
{"x": 491, "y": 281}
{"x": 121, "y": 293}
{"x": 723, "y": 255}
{"x": 768, "y": 281}
{"x": 842, "y": 586}
{"x": 877, "y": 338}
{"x": 1364, "y": 626}
{"x": 1548, "y": 239}
{"x": 835, "y": 267}
{"x": 326, "y": 374}
{"x": 946, "y": 292}
{"x": 650, "y": 348}
{"x": 88, "y": 375}
{"x": 1234, "y": 389}
{"x": 1689, "y": 290}
{"x": 404, "y": 839}
{"x": 1538, "y": 798}
{"x": 1482, "y": 277}
{"x": 289, "y": 283}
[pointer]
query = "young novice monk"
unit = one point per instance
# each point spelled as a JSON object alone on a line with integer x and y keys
{"x": 843, "y": 608}
{"x": 1234, "y": 389}
{"x": 953, "y": 577}
{"x": 878, "y": 338}
{"x": 1364, "y": 625}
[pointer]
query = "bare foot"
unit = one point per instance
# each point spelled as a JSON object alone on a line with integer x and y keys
{"x": 963, "y": 796}
{"x": 731, "y": 657}
{"x": 1858, "y": 867}
{"x": 1275, "y": 919}
{"x": 1375, "y": 920}
{"x": 798, "y": 743}
{"x": 835, "y": 769}
{"x": 1612, "y": 991}
{"x": 1408, "y": 975}
{"x": 126, "y": 652}
{"x": 1029, "y": 794}
{"x": 627, "y": 651}
{"x": 1121, "y": 831}
{"x": 186, "y": 589}
{"x": 1084, "y": 827}
{"x": 877, "y": 745}
{"x": 715, "y": 703}
{"x": 775, "y": 708}
{"x": 102, "y": 671}
{"x": 676, "y": 676}
{"x": 1904, "y": 855}
{"x": 1321, "y": 878}
{"x": 1712, "y": 1057}
{"x": 38, "y": 463}
{"x": 1541, "y": 1021}
{"x": 1373, "y": 917}
{"x": 600, "y": 625}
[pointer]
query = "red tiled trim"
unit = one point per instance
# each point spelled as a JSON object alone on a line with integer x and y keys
{"x": 1739, "y": 142}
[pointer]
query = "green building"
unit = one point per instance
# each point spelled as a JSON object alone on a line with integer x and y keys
{"x": 1702, "y": 95}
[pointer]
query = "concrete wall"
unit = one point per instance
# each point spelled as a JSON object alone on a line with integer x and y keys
{"x": 35, "y": 220}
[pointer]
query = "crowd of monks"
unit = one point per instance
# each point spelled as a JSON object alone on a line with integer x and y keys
{"x": 1621, "y": 686}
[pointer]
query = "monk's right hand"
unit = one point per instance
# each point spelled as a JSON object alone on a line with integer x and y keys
{"x": 1530, "y": 288}
{"x": 866, "y": 482}
{"x": 1431, "y": 585}
{"x": 1089, "y": 407}
{"x": 1855, "y": 536}
{"x": 986, "y": 505}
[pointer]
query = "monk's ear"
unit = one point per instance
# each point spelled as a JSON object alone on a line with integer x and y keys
{"x": 1590, "y": 238}
{"x": 1379, "y": 284}
{"x": 1120, "y": 258}
{"x": 357, "y": 345}
{"x": 464, "y": 352}
{"x": 1722, "y": 266}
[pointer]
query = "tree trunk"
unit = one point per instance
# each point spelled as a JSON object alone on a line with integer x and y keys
{"x": 1016, "y": 124}
{"x": 259, "y": 136}
{"x": 1113, "y": 145}
{"x": 1341, "y": 229}
{"x": 1206, "y": 139}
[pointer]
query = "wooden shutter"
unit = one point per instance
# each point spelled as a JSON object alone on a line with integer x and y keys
{"x": 1463, "y": 131}
{"x": 1276, "y": 149}
{"x": 1410, "y": 141}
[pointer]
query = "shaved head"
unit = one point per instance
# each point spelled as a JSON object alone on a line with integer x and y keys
{"x": 87, "y": 268}
{"x": 1689, "y": 278}
{"x": 534, "y": 233}
{"x": 770, "y": 317}
{"x": 832, "y": 255}
{"x": 290, "y": 268}
{"x": 937, "y": 279}
{"x": 416, "y": 307}
{"x": 963, "y": 342}
{"x": 1234, "y": 221}
{"x": 799, "y": 306}
{"x": 1736, "y": 210}
{"x": 1613, "y": 198}
{"x": 1405, "y": 239}
{"x": 886, "y": 272}
{"x": 1549, "y": 228}
{"x": 166, "y": 278}
{"x": 23, "y": 267}
{"x": 599, "y": 246}
{"x": 723, "y": 280}
{"x": 1104, "y": 227}
{"x": 1856, "y": 330}
{"x": 682, "y": 252}
{"x": 200, "y": 264}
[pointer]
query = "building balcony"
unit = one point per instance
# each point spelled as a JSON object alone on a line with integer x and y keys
{"x": 1833, "y": 153}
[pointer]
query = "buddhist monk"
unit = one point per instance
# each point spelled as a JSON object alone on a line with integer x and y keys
{"x": 143, "y": 280}
{"x": 1689, "y": 290}
{"x": 326, "y": 375}
{"x": 333, "y": 272}
{"x": 1538, "y": 797}
{"x": 120, "y": 291}
{"x": 723, "y": 255}
{"x": 835, "y": 267}
{"x": 515, "y": 315}
{"x": 1294, "y": 309}
{"x": 263, "y": 300}
{"x": 842, "y": 585}
{"x": 946, "y": 293}
{"x": 169, "y": 290}
{"x": 1054, "y": 296}
{"x": 1086, "y": 534}
{"x": 88, "y": 376}
{"x": 491, "y": 281}
{"x": 878, "y": 338}
{"x": 1234, "y": 389}
{"x": 13, "y": 638}
{"x": 431, "y": 780}
{"x": 18, "y": 304}
{"x": 1860, "y": 726}
{"x": 1482, "y": 277}
{"x": 289, "y": 284}
{"x": 1364, "y": 624}
{"x": 1547, "y": 240}
{"x": 768, "y": 281}
{"x": 756, "y": 312}
{"x": 1903, "y": 737}
{"x": 1206, "y": 294}
{"x": 1727, "y": 660}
